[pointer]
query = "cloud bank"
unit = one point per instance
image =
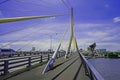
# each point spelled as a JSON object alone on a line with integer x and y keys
{"x": 105, "y": 35}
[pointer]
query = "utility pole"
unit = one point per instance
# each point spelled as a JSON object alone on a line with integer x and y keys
{"x": 50, "y": 43}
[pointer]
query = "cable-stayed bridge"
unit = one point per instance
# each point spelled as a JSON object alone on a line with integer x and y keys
{"x": 60, "y": 65}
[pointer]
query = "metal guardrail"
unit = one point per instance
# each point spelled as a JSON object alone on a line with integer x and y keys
{"x": 90, "y": 70}
{"x": 23, "y": 53}
{"x": 7, "y": 64}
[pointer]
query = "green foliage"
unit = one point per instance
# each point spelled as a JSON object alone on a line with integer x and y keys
{"x": 91, "y": 47}
{"x": 118, "y": 53}
{"x": 85, "y": 54}
{"x": 111, "y": 54}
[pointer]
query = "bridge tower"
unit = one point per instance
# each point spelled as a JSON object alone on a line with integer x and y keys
{"x": 72, "y": 36}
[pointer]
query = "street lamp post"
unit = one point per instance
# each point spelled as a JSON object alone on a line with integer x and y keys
{"x": 50, "y": 43}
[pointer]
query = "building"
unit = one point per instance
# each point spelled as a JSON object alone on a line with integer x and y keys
{"x": 7, "y": 51}
{"x": 100, "y": 50}
{"x": 33, "y": 49}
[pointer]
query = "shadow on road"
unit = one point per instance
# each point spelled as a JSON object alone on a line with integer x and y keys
{"x": 64, "y": 69}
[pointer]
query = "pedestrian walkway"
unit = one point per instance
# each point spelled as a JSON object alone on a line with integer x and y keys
{"x": 64, "y": 69}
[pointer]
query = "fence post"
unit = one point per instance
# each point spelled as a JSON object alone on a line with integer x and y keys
{"x": 62, "y": 54}
{"x": 59, "y": 54}
{"x": 41, "y": 59}
{"x": 30, "y": 52}
{"x": 6, "y": 67}
{"x": 86, "y": 69}
{"x": 25, "y": 54}
{"x": 56, "y": 55}
{"x": 29, "y": 61}
{"x": 91, "y": 75}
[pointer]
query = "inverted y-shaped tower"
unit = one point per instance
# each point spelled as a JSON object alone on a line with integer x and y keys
{"x": 72, "y": 37}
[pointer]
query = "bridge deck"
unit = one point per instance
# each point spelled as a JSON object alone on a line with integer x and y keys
{"x": 64, "y": 69}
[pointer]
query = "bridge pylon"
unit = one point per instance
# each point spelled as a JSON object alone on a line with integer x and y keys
{"x": 72, "y": 36}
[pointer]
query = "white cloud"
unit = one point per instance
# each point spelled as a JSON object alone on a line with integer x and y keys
{"x": 44, "y": 30}
{"x": 100, "y": 36}
{"x": 116, "y": 19}
{"x": 111, "y": 46}
{"x": 110, "y": 38}
{"x": 38, "y": 30}
{"x": 91, "y": 25}
{"x": 45, "y": 44}
{"x": 7, "y": 46}
{"x": 48, "y": 19}
{"x": 39, "y": 44}
{"x": 97, "y": 34}
{"x": 87, "y": 34}
{"x": 108, "y": 43}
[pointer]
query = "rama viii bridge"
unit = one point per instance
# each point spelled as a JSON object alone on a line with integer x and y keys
{"x": 60, "y": 65}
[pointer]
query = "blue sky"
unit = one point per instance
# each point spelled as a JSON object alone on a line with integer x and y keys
{"x": 95, "y": 21}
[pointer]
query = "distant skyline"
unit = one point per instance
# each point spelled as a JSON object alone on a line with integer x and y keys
{"x": 95, "y": 21}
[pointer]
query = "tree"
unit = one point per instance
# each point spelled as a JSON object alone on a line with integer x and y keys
{"x": 92, "y": 48}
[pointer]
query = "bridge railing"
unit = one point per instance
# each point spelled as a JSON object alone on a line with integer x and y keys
{"x": 23, "y": 53}
{"x": 90, "y": 70}
{"x": 26, "y": 62}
